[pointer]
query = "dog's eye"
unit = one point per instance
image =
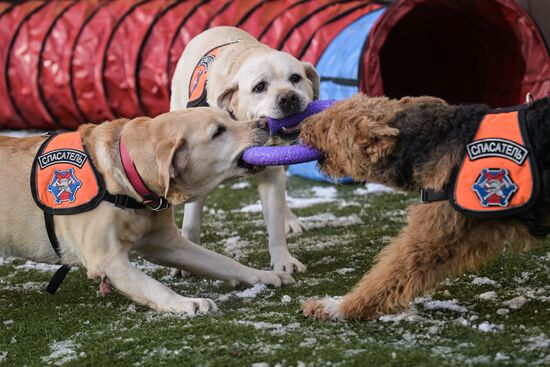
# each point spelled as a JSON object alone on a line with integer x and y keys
{"x": 219, "y": 131}
{"x": 259, "y": 88}
{"x": 295, "y": 78}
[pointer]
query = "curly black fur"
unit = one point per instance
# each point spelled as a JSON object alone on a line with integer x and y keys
{"x": 537, "y": 118}
{"x": 423, "y": 129}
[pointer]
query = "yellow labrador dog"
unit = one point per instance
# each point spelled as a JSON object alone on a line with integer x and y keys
{"x": 179, "y": 155}
{"x": 226, "y": 67}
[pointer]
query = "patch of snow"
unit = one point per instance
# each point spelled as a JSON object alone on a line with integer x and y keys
{"x": 503, "y": 311}
{"x": 251, "y": 292}
{"x": 372, "y": 188}
{"x": 487, "y": 296}
{"x": 234, "y": 246}
{"x": 536, "y": 343}
{"x": 345, "y": 270}
{"x": 259, "y": 364}
{"x": 515, "y": 303}
{"x": 27, "y": 286}
{"x": 483, "y": 281}
{"x": 322, "y": 195}
{"x": 330, "y": 220}
{"x": 324, "y": 192}
{"x": 483, "y": 360}
{"x": 273, "y": 328}
{"x": 31, "y": 265}
{"x": 410, "y": 315}
{"x": 131, "y": 308}
{"x": 8, "y": 322}
{"x": 451, "y": 305}
{"x": 501, "y": 357}
{"x": 486, "y": 326}
{"x": 462, "y": 321}
{"x": 523, "y": 278}
{"x": 308, "y": 342}
{"x": 296, "y": 203}
{"x": 3, "y": 356}
{"x": 353, "y": 352}
{"x": 62, "y": 352}
{"x": 241, "y": 185}
{"x": 286, "y": 298}
{"x": 146, "y": 266}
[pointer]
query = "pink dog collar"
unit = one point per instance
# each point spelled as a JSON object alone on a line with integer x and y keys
{"x": 150, "y": 199}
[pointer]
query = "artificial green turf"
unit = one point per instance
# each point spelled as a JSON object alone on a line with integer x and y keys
{"x": 77, "y": 327}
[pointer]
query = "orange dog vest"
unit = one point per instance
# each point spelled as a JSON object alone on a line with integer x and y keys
{"x": 65, "y": 181}
{"x": 63, "y": 178}
{"x": 498, "y": 176}
{"x": 197, "y": 84}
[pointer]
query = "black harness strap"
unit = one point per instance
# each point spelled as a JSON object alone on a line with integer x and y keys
{"x": 62, "y": 272}
{"x": 429, "y": 195}
{"x": 120, "y": 201}
{"x": 123, "y": 201}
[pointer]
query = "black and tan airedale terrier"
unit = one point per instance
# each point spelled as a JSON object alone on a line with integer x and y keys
{"x": 484, "y": 188}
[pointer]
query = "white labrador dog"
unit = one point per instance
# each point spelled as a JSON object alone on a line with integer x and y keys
{"x": 184, "y": 154}
{"x": 226, "y": 67}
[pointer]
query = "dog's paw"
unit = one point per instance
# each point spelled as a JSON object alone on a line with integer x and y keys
{"x": 288, "y": 264}
{"x": 324, "y": 309}
{"x": 178, "y": 273}
{"x": 293, "y": 224}
{"x": 192, "y": 306}
{"x": 273, "y": 278}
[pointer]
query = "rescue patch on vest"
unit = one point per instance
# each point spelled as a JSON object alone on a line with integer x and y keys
{"x": 62, "y": 156}
{"x": 63, "y": 178}
{"x": 497, "y": 148}
{"x": 64, "y": 186}
{"x": 199, "y": 78}
{"x": 498, "y": 175}
{"x": 494, "y": 187}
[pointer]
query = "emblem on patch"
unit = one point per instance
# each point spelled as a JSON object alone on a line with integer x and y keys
{"x": 494, "y": 187}
{"x": 64, "y": 186}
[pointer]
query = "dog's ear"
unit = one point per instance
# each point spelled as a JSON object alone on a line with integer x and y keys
{"x": 376, "y": 139}
{"x": 313, "y": 77}
{"x": 226, "y": 98}
{"x": 172, "y": 157}
{"x": 422, "y": 100}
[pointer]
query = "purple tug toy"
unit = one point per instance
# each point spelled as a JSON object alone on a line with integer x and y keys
{"x": 290, "y": 154}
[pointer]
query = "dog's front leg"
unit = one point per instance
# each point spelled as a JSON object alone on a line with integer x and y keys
{"x": 437, "y": 243}
{"x": 271, "y": 185}
{"x": 192, "y": 217}
{"x": 167, "y": 247}
{"x": 191, "y": 226}
{"x": 145, "y": 290}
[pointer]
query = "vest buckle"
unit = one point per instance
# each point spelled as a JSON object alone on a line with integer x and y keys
{"x": 423, "y": 196}
{"x": 121, "y": 201}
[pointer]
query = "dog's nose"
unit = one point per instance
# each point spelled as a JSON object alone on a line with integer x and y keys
{"x": 261, "y": 123}
{"x": 289, "y": 102}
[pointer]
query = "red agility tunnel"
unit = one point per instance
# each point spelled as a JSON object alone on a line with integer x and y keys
{"x": 64, "y": 63}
